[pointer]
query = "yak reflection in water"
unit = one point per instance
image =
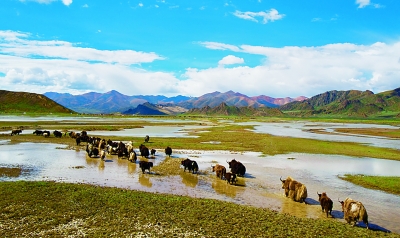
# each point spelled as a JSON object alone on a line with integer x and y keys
{"x": 189, "y": 179}
{"x": 144, "y": 180}
{"x": 131, "y": 168}
{"x": 222, "y": 187}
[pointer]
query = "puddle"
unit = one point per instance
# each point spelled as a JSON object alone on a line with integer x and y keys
{"x": 260, "y": 187}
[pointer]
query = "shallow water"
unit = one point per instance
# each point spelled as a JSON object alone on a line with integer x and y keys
{"x": 300, "y": 129}
{"x": 260, "y": 187}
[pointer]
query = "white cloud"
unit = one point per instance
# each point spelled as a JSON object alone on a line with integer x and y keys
{"x": 39, "y": 1}
{"x": 67, "y": 2}
{"x": 140, "y": 4}
{"x": 294, "y": 71}
{"x": 15, "y": 44}
{"x": 219, "y": 46}
{"x": 229, "y": 60}
{"x": 42, "y": 66}
{"x": 362, "y": 3}
{"x": 271, "y": 15}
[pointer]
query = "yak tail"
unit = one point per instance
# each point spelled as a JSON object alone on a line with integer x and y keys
{"x": 301, "y": 194}
{"x": 363, "y": 215}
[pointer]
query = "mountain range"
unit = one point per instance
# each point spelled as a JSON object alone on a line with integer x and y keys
{"x": 350, "y": 103}
{"x": 115, "y": 102}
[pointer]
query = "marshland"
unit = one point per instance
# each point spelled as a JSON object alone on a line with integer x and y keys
{"x": 52, "y": 187}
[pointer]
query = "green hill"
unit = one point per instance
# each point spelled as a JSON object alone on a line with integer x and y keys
{"x": 23, "y": 102}
{"x": 352, "y": 103}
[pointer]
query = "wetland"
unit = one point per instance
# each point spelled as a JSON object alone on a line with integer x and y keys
{"x": 318, "y": 163}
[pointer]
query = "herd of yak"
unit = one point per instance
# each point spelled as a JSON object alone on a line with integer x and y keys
{"x": 353, "y": 210}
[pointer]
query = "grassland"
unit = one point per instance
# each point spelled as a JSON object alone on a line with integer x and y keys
{"x": 384, "y": 183}
{"x": 47, "y": 209}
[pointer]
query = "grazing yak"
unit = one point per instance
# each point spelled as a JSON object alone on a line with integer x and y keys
{"x": 57, "y": 134}
{"x": 326, "y": 203}
{"x": 16, "y": 132}
{"x": 38, "y": 132}
{"x": 191, "y": 165}
{"x": 145, "y": 165}
{"x": 219, "y": 170}
{"x": 230, "y": 178}
{"x": 46, "y": 133}
{"x": 354, "y": 211}
{"x": 153, "y": 152}
{"x": 294, "y": 190}
{"x": 147, "y": 138}
{"x": 168, "y": 151}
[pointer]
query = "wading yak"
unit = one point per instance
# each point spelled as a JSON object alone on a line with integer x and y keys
{"x": 354, "y": 211}
{"x": 326, "y": 203}
{"x": 219, "y": 170}
{"x": 237, "y": 167}
{"x": 294, "y": 190}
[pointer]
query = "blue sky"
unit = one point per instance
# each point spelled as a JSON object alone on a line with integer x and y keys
{"x": 276, "y": 48}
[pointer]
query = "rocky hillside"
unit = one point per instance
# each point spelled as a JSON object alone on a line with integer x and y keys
{"x": 20, "y": 102}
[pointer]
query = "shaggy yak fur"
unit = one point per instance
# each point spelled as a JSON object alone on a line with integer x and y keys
{"x": 294, "y": 190}
{"x": 354, "y": 211}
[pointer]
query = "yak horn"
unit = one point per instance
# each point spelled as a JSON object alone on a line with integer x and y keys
{"x": 320, "y": 194}
{"x": 281, "y": 179}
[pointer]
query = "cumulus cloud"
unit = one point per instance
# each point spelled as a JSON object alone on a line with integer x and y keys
{"x": 33, "y": 66}
{"x": 294, "y": 71}
{"x": 266, "y": 16}
{"x": 229, "y": 60}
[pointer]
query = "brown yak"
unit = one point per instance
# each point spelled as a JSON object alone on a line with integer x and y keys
{"x": 219, "y": 170}
{"x": 294, "y": 190}
{"x": 354, "y": 211}
{"x": 326, "y": 203}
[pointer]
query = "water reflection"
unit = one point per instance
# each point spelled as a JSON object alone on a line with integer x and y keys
{"x": 221, "y": 187}
{"x": 144, "y": 180}
{"x": 189, "y": 179}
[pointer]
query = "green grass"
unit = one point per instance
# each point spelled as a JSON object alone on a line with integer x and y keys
{"x": 48, "y": 209}
{"x": 383, "y": 183}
